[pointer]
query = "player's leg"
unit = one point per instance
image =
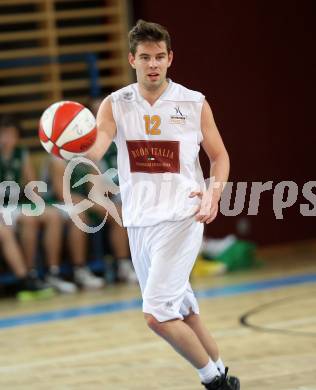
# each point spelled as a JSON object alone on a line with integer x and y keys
{"x": 52, "y": 223}
{"x": 12, "y": 252}
{"x": 189, "y": 310}
{"x": 172, "y": 249}
{"x": 119, "y": 243}
{"x": 29, "y": 228}
{"x": 119, "y": 240}
{"x": 77, "y": 244}
{"x": 182, "y": 338}
{"x": 186, "y": 342}
{"x": 208, "y": 342}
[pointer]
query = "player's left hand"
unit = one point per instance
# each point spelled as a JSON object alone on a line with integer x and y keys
{"x": 208, "y": 209}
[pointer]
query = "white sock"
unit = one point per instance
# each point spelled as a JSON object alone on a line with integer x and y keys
{"x": 220, "y": 366}
{"x": 209, "y": 372}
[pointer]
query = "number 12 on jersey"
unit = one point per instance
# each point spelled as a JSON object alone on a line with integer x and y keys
{"x": 152, "y": 124}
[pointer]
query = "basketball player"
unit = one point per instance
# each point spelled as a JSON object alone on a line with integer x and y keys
{"x": 158, "y": 127}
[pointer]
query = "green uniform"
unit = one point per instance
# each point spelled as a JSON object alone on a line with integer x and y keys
{"x": 109, "y": 160}
{"x": 78, "y": 173}
{"x": 12, "y": 170}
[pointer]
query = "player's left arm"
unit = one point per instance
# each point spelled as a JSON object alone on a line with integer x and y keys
{"x": 215, "y": 149}
{"x": 106, "y": 131}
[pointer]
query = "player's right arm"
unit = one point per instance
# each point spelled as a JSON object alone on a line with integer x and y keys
{"x": 106, "y": 130}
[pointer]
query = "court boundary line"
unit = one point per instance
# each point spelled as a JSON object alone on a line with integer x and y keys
{"x": 245, "y": 321}
{"x": 136, "y": 303}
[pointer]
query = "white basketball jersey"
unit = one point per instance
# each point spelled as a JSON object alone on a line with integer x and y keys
{"x": 158, "y": 147}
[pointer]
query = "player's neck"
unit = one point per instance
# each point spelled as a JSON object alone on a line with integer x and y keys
{"x": 152, "y": 95}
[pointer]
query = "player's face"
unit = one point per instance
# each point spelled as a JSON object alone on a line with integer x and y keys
{"x": 151, "y": 62}
{"x": 8, "y": 138}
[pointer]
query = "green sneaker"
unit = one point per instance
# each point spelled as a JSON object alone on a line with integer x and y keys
{"x": 32, "y": 288}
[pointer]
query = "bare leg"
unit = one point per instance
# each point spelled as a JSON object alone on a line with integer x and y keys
{"x": 119, "y": 241}
{"x": 77, "y": 243}
{"x": 118, "y": 235}
{"x": 29, "y": 231}
{"x": 182, "y": 338}
{"x": 209, "y": 344}
{"x": 52, "y": 222}
{"x": 12, "y": 252}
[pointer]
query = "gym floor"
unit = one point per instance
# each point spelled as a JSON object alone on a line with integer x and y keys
{"x": 264, "y": 321}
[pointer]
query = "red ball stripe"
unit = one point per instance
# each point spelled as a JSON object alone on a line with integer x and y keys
{"x": 42, "y": 135}
{"x": 63, "y": 116}
{"x": 81, "y": 144}
{"x": 55, "y": 151}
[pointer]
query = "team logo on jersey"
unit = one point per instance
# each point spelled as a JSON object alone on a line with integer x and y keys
{"x": 178, "y": 117}
{"x": 128, "y": 96}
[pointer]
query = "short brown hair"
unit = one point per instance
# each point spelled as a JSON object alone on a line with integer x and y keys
{"x": 146, "y": 31}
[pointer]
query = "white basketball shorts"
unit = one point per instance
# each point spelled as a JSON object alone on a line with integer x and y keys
{"x": 163, "y": 256}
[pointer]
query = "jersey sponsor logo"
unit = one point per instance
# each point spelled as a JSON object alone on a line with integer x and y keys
{"x": 178, "y": 118}
{"x": 154, "y": 156}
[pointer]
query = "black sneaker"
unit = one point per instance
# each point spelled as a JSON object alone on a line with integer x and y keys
{"x": 216, "y": 384}
{"x": 32, "y": 284}
{"x": 223, "y": 382}
{"x": 32, "y": 287}
{"x": 234, "y": 382}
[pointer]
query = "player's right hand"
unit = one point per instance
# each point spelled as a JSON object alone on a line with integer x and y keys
{"x": 208, "y": 209}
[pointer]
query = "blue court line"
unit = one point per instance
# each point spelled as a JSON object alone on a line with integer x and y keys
{"x": 119, "y": 306}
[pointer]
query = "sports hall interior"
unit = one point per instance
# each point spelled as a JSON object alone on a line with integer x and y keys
{"x": 255, "y": 276}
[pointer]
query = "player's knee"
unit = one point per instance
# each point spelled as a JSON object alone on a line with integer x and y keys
{"x": 6, "y": 233}
{"x": 191, "y": 318}
{"x": 52, "y": 216}
{"x": 28, "y": 222}
{"x": 153, "y": 323}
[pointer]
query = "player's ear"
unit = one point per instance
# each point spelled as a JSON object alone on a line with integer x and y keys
{"x": 170, "y": 58}
{"x": 131, "y": 60}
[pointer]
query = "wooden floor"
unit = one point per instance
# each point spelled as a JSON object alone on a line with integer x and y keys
{"x": 117, "y": 351}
